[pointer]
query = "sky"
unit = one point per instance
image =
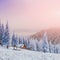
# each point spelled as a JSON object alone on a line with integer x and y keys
{"x": 30, "y": 16}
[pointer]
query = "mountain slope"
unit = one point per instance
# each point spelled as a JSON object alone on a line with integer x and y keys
{"x": 26, "y": 55}
{"x": 53, "y": 35}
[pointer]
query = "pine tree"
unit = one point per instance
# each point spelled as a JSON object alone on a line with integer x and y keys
{"x": 23, "y": 41}
{"x": 19, "y": 41}
{"x": 50, "y": 47}
{"x": 26, "y": 42}
{"x": 40, "y": 46}
{"x": 45, "y": 43}
{"x": 0, "y": 34}
{"x": 3, "y": 35}
{"x": 32, "y": 45}
{"x": 55, "y": 49}
{"x": 14, "y": 40}
{"x": 7, "y": 37}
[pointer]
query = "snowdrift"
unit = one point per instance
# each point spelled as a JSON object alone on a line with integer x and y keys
{"x": 9, "y": 54}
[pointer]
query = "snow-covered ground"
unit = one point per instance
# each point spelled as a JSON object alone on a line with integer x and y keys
{"x": 8, "y": 54}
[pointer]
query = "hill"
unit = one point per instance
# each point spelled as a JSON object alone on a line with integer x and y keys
{"x": 53, "y": 35}
{"x": 8, "y": 54}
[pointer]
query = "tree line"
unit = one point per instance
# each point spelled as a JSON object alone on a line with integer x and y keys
{"x": 32, "y": 44}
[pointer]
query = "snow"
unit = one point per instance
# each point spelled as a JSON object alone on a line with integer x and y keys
{"x": 9, "y": 54}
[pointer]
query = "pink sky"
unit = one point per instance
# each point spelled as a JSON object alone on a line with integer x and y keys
{"x": 30, "y": 15}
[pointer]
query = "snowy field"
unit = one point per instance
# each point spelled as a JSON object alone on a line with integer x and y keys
{"x": 8, "y": 54}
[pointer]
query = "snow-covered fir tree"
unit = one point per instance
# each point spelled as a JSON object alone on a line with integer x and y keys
{"x": 36, "y": 41}
{"x": 17, "y": 41}
{"x": 40, "y": 46}
{"x": 55, "y": 48}
{"x": 3, "y": 35}
{"x": 14, "y": 41}
{"x": 50, "y": 47}
{"x": 25, "y": 41}
{"x": 26, "y": 38}
{"x": 58, "y": 48}
{"x": 0, "y": 34}
{"x": 45, "y": 43}
{"x": 21, "y": 39}
{"x": 32, "y": 45}
{"x": 7, "y": 36}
